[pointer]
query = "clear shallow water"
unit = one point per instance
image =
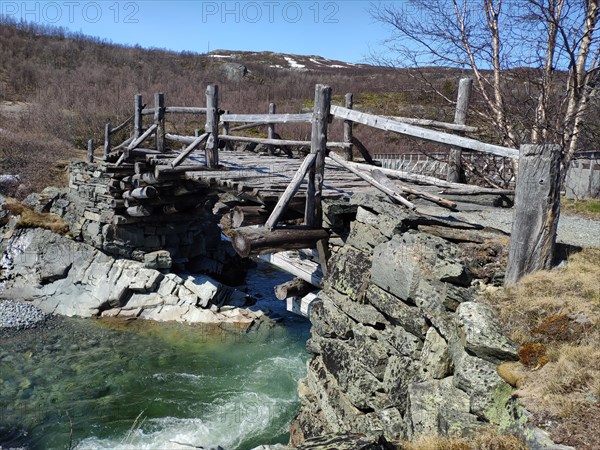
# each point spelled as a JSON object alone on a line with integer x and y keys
{"x": 98, "y": 385}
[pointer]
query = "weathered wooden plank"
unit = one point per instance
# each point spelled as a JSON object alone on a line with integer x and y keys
{"x": 537, "y": 208}
{"x": 385, "y": 181}
{"x": 267, "y": 118}
{"x": 143, "y": 137}
{"x": 299, "y": 266}
{"x": 385, "y": 189}
{"x": 179, "y": 138}
{"x": 290, "y": 191}
{"x": 422, "y": 133}
{"x": 190, "y": 148}
{"x": 185, "y": 110}
{"x": 435, "y": 124}
{"x": 424, "y": 179}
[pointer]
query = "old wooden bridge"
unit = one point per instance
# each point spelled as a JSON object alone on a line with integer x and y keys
{"x": 275, "y": 184}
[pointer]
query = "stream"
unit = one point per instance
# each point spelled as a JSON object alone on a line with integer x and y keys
{"x": 93, "y": 384}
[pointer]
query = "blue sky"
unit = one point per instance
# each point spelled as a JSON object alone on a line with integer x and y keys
{"x": 334, "y": 29}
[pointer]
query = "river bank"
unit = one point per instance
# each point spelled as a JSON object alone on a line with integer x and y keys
{"x": 189, "y": 384}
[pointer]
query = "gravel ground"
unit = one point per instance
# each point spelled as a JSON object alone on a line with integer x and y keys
{"x": 572, "y": 229}
{"x": 20, "y": 315}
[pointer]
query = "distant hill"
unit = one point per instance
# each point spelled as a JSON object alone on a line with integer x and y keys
{"x": 58, "y": 89}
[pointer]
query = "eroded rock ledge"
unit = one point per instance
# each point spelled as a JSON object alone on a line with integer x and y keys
{"x": 70, "y": 278}
{"x": 399, "y": 342}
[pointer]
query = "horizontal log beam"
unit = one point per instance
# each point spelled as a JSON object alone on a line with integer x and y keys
{"x": 249, "y": 241}
{"x": 268, "y": 118}
{"x": 280, "y": 142}
{"x": 435, "y": 124}
{"x": 185, "y": 110}
{"x": 451, "y": 140}
{"x": 293, "y": 288}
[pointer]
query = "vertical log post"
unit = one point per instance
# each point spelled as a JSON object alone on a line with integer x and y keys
{"x": 159, "y": 120}
{"x": 137, "y": 120}
{"x": 107, "y": 132}
{"x": 537, "y": 208}
{"x": 348, "y": 130}
{"x": 212, "y": 126}
{"x": 456, "y": 173}
{"x": 318, "y": 146}
{"x": 90, "y": 151}
{"x": 226, "y": 125}
{"x": 271, "y": 127}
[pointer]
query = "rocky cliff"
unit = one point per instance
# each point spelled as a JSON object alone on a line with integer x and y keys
{"x": 400, "y": 342}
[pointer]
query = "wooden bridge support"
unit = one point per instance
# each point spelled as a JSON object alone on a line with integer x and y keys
{"x": 90, "y": 151}
{"x": 137, "y": 119}
{"x": 537, "y": 208}
{"x": 348, "y": 130}
{"x": 107, "y": 133}
{"x": 159, "y": 121}
{"x": 318, "y": 147}
{"x": 456, "y": 173}
{"x": 212, "y": 126}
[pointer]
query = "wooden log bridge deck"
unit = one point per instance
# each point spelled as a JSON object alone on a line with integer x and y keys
{"x": 156, "y": 180}
{"x": 264, "y": 178}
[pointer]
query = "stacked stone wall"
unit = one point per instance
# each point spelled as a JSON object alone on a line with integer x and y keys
{"x": 400, "y": 342}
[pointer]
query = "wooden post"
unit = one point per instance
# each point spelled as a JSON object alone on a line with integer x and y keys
{"x": 318, "y": 146}
{"x": 348, "y": 130}
{"x": 212, "y": 126}
{"x": 159, "y": 120}
{"x": 456, "y": 173}
{"x": 107, "y": 132}
{"x": 226, "y": 131}
{"x": 537, "y": 208}
{"x": 90, "y": 151}
{"x": 137, "y": 120}
{"x": 271, "y": 128}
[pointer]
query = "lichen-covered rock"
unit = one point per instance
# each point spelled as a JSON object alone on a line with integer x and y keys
{"x": 435, "y": 359}
{"x": 480, "y": 333}
{"x": 348, "y": 270}
{"x": 429, "y": 401}
{"x": 488, "y": 392}
{"x": 408, "y": 317}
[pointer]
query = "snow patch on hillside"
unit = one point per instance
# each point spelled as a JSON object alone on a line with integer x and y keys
{"x": 293, "y": 63}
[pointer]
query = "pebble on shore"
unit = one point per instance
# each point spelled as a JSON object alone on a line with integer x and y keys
{"x": 20, "y": 315}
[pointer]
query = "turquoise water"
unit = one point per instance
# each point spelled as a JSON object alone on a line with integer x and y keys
{"x": 89, "y": 384}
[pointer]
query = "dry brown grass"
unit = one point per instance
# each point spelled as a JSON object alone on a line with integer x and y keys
{"x": 555, "y": 317}
{"x": 28, "y": 218}
{"x": 485, "y": 439}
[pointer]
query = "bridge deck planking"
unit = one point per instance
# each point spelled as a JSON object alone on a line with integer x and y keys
{"x": 267, "y": 176}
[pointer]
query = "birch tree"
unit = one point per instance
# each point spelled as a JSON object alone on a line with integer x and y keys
{"x": 535, "y": 63}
